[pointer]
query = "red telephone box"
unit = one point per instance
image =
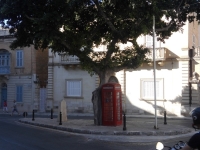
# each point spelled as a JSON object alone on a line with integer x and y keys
{"x": 111, "y": 104}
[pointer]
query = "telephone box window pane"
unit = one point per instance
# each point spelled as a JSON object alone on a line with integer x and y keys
{"x": 108, "y": 106}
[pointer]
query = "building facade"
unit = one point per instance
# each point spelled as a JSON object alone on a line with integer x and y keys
{"x": 18, "y": 75}
{"x": 66, "y": 80}
{"x": 177, "y": 78}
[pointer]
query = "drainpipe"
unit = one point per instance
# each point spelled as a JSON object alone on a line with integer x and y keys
{"x": 191, "y": 54}
{"x": 32, "y": 80}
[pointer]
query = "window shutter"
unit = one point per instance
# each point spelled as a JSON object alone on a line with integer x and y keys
{"x": 149, "y": 41}
{"x": 19, "y": 93}
{"x": 193, "y": 40}
{"x": 4, "y": 59}
{"x": 19, "y": 58}
{"x": 73, "y": 88}
{"x": 148, "y": 89}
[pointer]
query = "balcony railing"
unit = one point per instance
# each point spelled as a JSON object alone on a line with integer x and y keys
{"x": 197, "y": 51}
{"x": 69, "y": 59}
{"x": 160, "y": 53}
{"x": 4, "y": 70}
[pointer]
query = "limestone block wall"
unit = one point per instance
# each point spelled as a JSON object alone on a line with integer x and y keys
{"x": 74, "y": 104}
{"x": 26, "y": 82}
{"x": 170, "y": 82}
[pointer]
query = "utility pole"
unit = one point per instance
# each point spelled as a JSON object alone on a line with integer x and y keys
{"x": 154, "y": 73}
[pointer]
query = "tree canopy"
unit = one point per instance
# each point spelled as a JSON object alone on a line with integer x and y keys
{"x": 89, "y": 23}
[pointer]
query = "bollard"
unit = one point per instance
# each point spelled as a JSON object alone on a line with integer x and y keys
{"x": 51, "y": 113}
{"x": 25, "y": 114}
{"x": 165, "y": 118}
{"x": 60, "y": 119}
{"x": 33, "y": 115}
{"x": 124, "y": 122}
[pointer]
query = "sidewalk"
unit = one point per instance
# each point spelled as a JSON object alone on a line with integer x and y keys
{"x": 136, "y": 131}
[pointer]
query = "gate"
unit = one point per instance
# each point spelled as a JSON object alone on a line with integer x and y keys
{"x": 42, "y": 99}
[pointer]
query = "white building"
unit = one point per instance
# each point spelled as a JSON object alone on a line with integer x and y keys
{"x": 67, "y": 81}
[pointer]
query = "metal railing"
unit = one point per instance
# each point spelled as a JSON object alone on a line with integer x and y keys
{"x": 197, "y": 51}
{"x": 160, "y": 53}
{"x": 69, "y": 59}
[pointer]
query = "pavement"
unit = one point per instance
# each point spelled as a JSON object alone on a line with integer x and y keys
{"x": 140, "y": 130}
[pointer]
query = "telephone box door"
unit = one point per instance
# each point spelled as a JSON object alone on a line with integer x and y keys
{"x": 111, "y": 104}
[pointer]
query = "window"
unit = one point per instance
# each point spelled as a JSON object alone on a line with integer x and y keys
{"x": 198, "y": 34}
{"x": 147, "y": 89}
{"x": 149, "y": 42}
{"x": 4, "y": 62}
{"x": 193, "y": 41}
{"x": 73, "y": 88}
{"x": 19, "y": 93}
{"x": 4, "y": 59}
{"x": 19, "y": 58}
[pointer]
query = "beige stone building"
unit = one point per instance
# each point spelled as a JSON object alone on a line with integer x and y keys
{"x": 18, "y": 69}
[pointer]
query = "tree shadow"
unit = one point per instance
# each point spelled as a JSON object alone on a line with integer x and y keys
{"x": 177, "y": 105}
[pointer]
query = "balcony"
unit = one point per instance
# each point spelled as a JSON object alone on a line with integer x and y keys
{"x": 197, "y": 51}
{"x": 4, "y": 70}
{"x": 160, "y": 54}
{"x": 69, "y": 59}
{"x": 4, "y": 62}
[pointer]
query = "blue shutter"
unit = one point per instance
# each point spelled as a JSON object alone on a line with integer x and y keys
{"x": 4, "y": 63}
{"x": 19, "y": 93}
{"x": 19, "y": 58}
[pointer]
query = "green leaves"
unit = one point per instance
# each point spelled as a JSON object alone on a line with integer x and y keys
{"x": 89, "y": 23}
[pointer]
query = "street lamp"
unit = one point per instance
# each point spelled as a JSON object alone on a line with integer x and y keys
{"x": 154, "y": 70}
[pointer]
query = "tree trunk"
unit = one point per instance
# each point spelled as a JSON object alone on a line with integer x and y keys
{"x": 96, "y": 98}
{"x": 97, "y": 108}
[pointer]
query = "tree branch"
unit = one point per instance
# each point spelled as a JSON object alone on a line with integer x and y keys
{"x": 107, "y": 20}
{"x": 63, "y": 42}
{"x": 165, "y": 28}
{"x": 30, "y": 18}
{"x": 171, "y": 22}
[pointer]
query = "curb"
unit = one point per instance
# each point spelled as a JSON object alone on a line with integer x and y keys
{"x": 117, "y": 133}
{"x": 128, "y": 116}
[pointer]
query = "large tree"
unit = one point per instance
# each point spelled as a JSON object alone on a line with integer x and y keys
{"x": 89, "y": 23}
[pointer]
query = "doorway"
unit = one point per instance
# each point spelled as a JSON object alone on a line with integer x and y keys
{"x": 43, "y": 96}
{"x": 3, "y": 93}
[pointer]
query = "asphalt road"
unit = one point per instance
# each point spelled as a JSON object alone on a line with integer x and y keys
{"x": 18, "y": 136}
